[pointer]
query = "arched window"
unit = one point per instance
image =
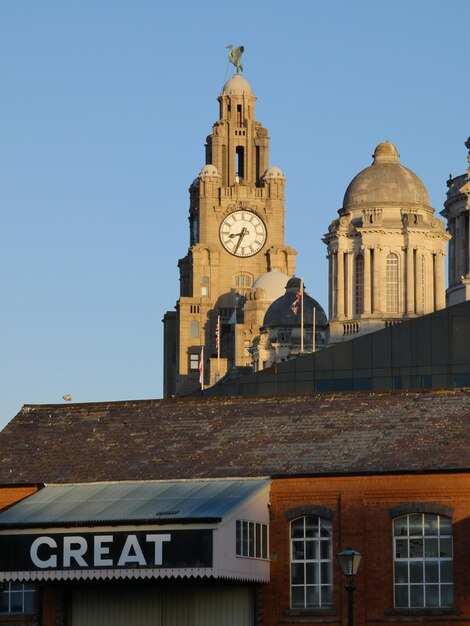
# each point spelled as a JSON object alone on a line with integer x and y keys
{"x": 311, "y": 562}
{"x": 359, "y": 284}
{"x": 392, "y": 283}
{"x": 423, "y": 561}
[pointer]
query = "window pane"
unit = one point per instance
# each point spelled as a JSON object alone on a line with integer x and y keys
{"x": 445, "y": 524}
{"x": 432, "y": 572}
{"x": 298, "y": 597}
{"x": 327, "y": 595}
{"x": 29, "y": 604}
{"x": 400, "y": 526}
{"x": 16, "y": 601}
{"x": 447, "y": 595}
{"x": 312, "y": 574}
{"x": 326, "y": 528}
{"x": 416, "y": 548}
{"x": 298, "y": 550}
{"x": 264, "y": 530}
{"x": 445, "y": 548}
{"x": 298, "y": 573}
{"x": 238, "y": 548}
{"x": 416, "y": 524}
{"x": 311, "y": 527}
{"x": 325, "y": 550}
{"x": 297, "y": 528}
{"x": 311, "y": 550}
{"x": 431, "y": 548}
{"x": 326, "y": 573}
{"x": 432, "y": 595}
{"x": 401, "y": 572}
{"x": 251, "y": 539}
{"x": 4, "y": 600}
{"x": 312, "y": 596}
{"x": 416, "y": 572}
{"x": 416, "y": 595}
{"x": 401, "y": 595}
{"x": 447, "y": 574}
{"x": 401, "y": 549}
{"x": 431, "y": 524}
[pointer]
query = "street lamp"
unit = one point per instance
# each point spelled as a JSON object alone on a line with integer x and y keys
{"x": 349, "y": 560}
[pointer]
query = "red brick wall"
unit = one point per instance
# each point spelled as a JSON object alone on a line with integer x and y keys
{"x": 10, "y": 495}
{"x": 361, "y": 520}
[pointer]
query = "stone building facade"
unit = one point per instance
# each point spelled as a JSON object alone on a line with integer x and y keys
{"x": 236, "y": 224}
{"x": 456, "y": 211}
{"x": 386, "y": 250}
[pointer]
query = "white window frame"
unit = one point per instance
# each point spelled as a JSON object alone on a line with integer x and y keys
{"x": 319, "y": 547}
{"x": 252, "y": 539}
{"x": 427, "y": 561}
{"x": 16, "y": 590}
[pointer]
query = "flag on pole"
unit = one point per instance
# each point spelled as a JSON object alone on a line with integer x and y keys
{"x": 201, "y": 368}
{"x": 295, "y": 305}
{"x": 217, "y": 333}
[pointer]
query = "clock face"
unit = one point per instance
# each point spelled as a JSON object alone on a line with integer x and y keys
{"x": 242, "y": 233}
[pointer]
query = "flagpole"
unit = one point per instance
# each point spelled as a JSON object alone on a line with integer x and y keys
{"x": 314, "y": 324}
{"x": 218, "y": 347}
{"x": 235, "y": 339}
{"x": 301, "y": 316}
{"x": 201, "y": 368}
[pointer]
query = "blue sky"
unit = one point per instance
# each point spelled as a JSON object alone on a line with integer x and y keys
{"x": 104, "y": 110}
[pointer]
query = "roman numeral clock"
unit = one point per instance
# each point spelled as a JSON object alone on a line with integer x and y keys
{"x": 242, "y": 233}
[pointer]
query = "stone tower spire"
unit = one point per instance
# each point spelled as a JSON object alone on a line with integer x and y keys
{"x": 236, "y": 223}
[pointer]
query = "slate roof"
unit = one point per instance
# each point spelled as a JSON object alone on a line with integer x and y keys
{"x": 316, "y": 434}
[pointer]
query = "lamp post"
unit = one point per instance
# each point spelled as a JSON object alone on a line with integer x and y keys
{"x": 349, "y": 560}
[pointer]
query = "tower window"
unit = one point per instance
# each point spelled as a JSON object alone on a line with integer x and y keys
{"x": 194, "y": 329}
{"x": 239, "y": 114}
{"x": 392, "y": 283}
{"x": 240, "y": 164}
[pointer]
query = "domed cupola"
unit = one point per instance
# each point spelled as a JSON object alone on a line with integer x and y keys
{"x": 385, "y": 183}
{"x": 386, "y": 250}
{"x": 287, "y": 332}
{"x": 237, "y": 86}
{"x": 281, "y": 312}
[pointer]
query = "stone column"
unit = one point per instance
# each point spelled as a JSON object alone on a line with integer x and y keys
{"x": 331, "y": 284}
{"x": 410, "y": 281}
{"x": 440, "y": 295}
{"x": 419, "y": 283}
{"x": 349, "y": 287}
{"x": 460, "y": 237}
{"x": 340, "y": 284}
{"x": 451, "y": 272}
{"x": 367, "y": 283}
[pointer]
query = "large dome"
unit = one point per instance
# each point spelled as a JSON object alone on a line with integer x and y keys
{"x": 280, "y": 312}
{"x": 237, "y": 86}
{"x": 273, "y": 282}
{"x": 385, "y": 182}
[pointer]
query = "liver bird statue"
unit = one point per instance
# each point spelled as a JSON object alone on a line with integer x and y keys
{"x": 235, "y": 56}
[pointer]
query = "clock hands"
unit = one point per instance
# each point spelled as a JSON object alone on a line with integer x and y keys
{"x": 244, "y": 231}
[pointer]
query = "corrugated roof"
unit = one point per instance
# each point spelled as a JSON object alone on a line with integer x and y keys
{"x": 136, "y": 502}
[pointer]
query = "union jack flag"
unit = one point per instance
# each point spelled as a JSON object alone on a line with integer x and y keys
{"x": 217, "y": 330}
{"x": 295, "y": 305}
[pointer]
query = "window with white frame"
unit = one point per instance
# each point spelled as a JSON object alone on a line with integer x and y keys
{"x": 251, "y": 539}
{"x": 423, "y": 561}
{"x": 311, "y": 562}
{"x": 18, "y": 598}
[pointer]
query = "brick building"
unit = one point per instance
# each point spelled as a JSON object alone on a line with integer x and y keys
{"x": 384, "y": 473}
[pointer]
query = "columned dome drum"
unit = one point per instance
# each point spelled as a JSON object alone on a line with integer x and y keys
{"x": 386, "y": 250}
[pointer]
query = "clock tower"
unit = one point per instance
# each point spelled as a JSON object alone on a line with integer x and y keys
{"x": 236, "y": 234}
